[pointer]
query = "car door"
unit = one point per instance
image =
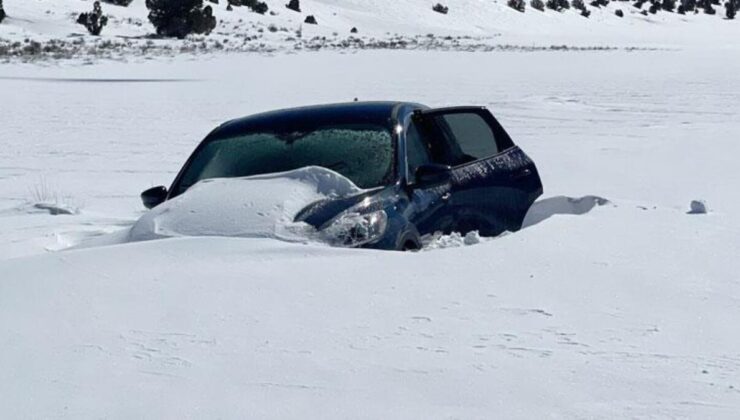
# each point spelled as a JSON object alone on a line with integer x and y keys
{"x": 493, "y": 181}
{"x": 430, "y": 211}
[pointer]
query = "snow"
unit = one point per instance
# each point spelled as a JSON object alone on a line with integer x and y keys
{"x": 476, "y": 25}
{"x": 612, "y": 302}
{"x": 261, "y": 206}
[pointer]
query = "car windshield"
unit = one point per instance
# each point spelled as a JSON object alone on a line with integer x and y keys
{"x": 361, "y": 152}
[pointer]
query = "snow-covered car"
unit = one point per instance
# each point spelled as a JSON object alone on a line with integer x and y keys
{"x": 417, "y": 170}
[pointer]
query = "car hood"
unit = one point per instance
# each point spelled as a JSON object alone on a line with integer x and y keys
{"x": 264, "y": 206}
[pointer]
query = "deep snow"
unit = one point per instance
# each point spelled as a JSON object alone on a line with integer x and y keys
{"x": 476, "y": 25}
{"x": 261, "y": 206}
{"x": 613, "y": 302}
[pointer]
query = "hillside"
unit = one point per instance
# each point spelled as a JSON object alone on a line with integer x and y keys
{"x": 399, "y": 24}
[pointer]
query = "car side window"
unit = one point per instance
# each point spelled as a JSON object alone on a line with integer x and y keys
{"x": 417, "y": 151}
{"x": 469, "y": 136}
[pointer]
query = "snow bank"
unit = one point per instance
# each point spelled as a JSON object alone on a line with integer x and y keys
{"x": 262, "y": 206}
{"x": 453, "y": 240}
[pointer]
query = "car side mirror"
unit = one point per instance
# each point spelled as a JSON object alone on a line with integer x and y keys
{"x": 432, "y": 174}
{"x": 154, "y": 196}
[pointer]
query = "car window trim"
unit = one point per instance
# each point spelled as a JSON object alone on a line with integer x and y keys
{"x": 508, "y": 149}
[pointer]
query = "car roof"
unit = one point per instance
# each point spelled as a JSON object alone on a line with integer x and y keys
{"x": 380, "y": 111}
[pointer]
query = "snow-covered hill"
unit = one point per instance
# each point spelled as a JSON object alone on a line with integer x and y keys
{"x": 408, "y": 24}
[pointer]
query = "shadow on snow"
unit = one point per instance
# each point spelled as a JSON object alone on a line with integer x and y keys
{"x": 544, "y": 209}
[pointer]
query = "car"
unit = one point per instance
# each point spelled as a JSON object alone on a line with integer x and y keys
{"x": 420, "y": 170}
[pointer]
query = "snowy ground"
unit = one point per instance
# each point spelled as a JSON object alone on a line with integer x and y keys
{"x": 597, "y": 309}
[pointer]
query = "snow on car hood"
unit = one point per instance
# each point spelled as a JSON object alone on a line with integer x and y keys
{"x": 257, "y": 206}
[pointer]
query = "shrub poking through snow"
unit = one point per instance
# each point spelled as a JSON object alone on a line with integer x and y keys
{"x": 294, "y": 5}
{"x": 311, "y": 20}
{"x": 353, "y": 30}
{"x": 619, "y": 13}
{"x": 439, "y": 8}
{"x": 179, "y": 18}
{"x": 654, "y": 7}
{"x": 256, "y": 6}
{"x": 581, "y": 6}
{"x": 730, "y": 9}
{"x": 558, "y": 5}
{"x": 669, "y": 5}
{"x": 94, "y": 21}
{"x": 600, "y": 3}
{"x": 688, "y": 5}
{"x": 2, "y": 11}
{"x": 123, "y": 3}
{"x": 518, "y": 5}
{"x": 538, "y": 4}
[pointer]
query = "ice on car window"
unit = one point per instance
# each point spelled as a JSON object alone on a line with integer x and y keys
{"x": 362, "y": 153}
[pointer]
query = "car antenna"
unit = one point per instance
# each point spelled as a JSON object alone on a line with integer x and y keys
{"x": 356, "y": 99}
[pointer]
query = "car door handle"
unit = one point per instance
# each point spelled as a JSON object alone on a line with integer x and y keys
{"x": 446, "y": 196}
{"x": 521, "y": 174}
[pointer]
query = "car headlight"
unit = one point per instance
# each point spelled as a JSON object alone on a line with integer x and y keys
{"x": 352, "y": 229}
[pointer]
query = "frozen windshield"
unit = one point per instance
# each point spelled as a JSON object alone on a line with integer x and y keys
{"x": 363, "y": 153}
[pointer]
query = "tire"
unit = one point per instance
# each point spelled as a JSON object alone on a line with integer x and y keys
{"x": 410, "y": 241}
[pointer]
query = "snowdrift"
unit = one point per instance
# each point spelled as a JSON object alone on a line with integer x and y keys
{"x": 261, "y": 206}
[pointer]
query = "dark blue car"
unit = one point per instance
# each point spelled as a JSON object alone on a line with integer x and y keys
{"x": 423, "y": 170}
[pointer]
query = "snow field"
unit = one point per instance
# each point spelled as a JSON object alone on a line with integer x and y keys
{"x": 612, "y": 303}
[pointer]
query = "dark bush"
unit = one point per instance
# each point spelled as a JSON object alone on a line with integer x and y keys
{"x": 669, "y": 5}
{"x": 94, "y": 21}
{"x": 353, "y": 30}
{"x": 638, "y": 4}
{"x": 123, "y": 3}
{"x": 256, "y": 6}
{"x": 557, "y": 5}
{"x": 580, "y": 5}
{"x": 538, "y": 4}
{"x": 619, "y": 13}
{"x": 654, "y": 7}
{"x": 178, "y": 18}
{"x": 439, "y": 8}
{"x": 294, "y": 5}
{"x": 2, "y": 11}
{"x": 599, "y": 3}
{"x": 518, "y": 5}
{"x": 730, "y": 9}
{"x": 688, "y": 5}
{"x": 311, "y": 20}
